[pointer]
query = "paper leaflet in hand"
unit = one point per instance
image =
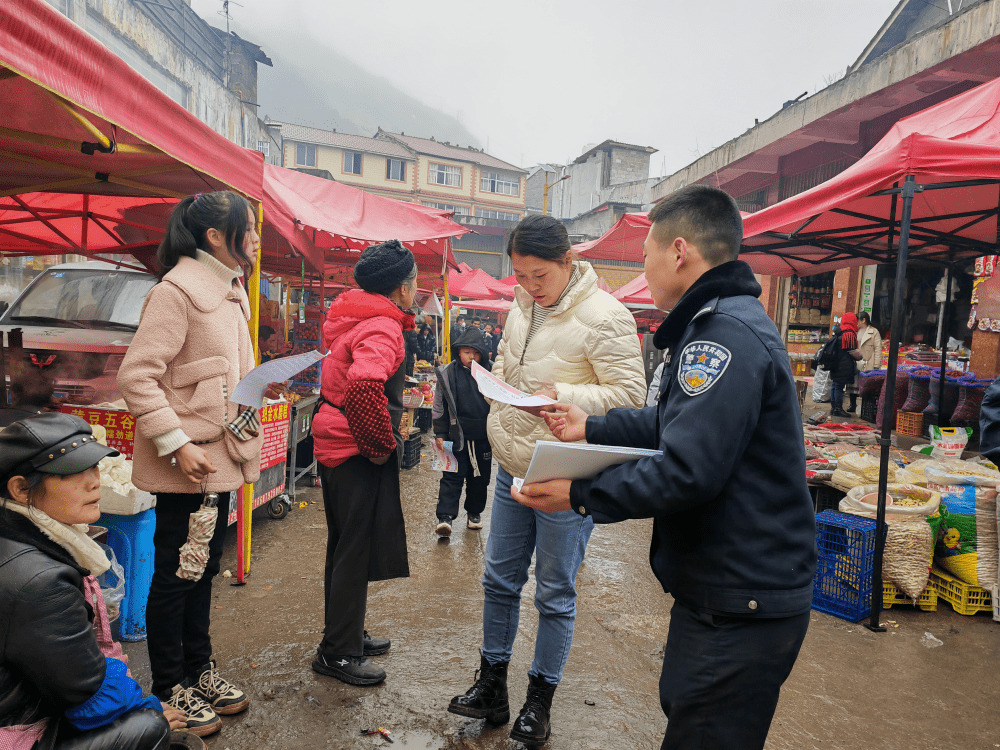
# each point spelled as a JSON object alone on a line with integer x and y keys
{"x": 250, "y": 390}
{"x": 553, "y": 460}
{"x": 496, "y": 390}
{"x": 444, "y": 458}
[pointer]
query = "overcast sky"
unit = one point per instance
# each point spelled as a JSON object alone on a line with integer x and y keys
{"x": 537, "y": 80}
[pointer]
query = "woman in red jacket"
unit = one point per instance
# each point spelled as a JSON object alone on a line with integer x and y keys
{"x": 358, "y": 445}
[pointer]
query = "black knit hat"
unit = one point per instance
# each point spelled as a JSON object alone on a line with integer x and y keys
{"x": 382, "y": 268}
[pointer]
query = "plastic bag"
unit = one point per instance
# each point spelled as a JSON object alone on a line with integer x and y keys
{"x": 821, "y": 387}
{"x": 908, "y": 500}
{"x": 112, "y": 583}
{"x": 949, "y": 442}
{"x": 857, "y": 469}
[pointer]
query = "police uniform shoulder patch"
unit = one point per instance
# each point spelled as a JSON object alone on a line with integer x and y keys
{"x": 702, "y": 364}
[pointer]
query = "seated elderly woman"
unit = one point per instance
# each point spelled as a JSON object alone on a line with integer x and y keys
{"x": 63, "y": 681}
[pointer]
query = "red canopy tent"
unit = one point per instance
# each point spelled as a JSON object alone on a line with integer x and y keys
{"x": 496, "y": 305}
{"x": 635, "y": 294}
{"x": 951, "y": 152}
{"x": 622, "y": 242}
{"x": 78, "y": 120}
{"x": 929, "y": 189}
{"x": 476, "y": 283}
{"x": 325, "y": 219}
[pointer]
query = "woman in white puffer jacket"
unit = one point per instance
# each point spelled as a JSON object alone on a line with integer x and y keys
{"x": 568, "y": 340}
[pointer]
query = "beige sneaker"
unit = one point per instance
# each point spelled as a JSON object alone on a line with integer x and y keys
{"x": 201, "y": 719}
{"x": 224, "y": 698}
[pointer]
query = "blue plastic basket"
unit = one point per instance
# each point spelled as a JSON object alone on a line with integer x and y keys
{"x": 131, "y": 538}
{"x": 846, "y": 546}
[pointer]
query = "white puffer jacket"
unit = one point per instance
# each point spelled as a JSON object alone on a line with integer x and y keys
{"x": 587, "y": 349}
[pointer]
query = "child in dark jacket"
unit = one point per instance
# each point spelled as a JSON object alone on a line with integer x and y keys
{"x": 460, "y": 413}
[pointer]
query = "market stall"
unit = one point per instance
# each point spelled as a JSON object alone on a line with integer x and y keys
{"x": 940, "y": 540}
{"x": 930, "y": 188}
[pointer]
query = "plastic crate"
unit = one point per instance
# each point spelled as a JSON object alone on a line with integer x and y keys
{"x": 910, "y": 423}
{"x": 963, "y": 597}
{"x": 411, "y": 452}
{"x": 424, "y": 420}
{"x": 131, "y": 538}
{"x": 892, "y": 595}
{"x": 826, "y": 497}
{"x": 846, "y": 546}
{"x": 869, "y": 408}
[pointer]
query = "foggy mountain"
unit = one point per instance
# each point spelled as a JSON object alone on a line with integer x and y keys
{"x": 323, "y": 89}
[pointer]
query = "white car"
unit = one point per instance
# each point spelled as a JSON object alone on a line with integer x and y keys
{"x": 77, "y": 321}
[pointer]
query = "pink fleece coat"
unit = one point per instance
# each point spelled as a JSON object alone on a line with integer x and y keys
{"x": 193, "y": 337}
{"x": 364, "y": 333}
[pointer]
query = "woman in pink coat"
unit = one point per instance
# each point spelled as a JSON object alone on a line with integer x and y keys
{"x": 357, "y": 442}
{"x": 191, "y": 349}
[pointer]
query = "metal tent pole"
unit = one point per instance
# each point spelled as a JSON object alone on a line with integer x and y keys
{"x": 942, "y": 420}
{"x": 910, "y": 187}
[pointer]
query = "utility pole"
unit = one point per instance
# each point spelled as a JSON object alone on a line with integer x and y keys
{"x": 545, "y": 191}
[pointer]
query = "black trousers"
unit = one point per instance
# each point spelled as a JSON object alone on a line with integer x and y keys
{"x": 178, "y": 611}
{"x": 722, "y": 676}
{"x": 450, "y": 491}
{"x": 352, "y": 493}
{"x": 145, "y": 729}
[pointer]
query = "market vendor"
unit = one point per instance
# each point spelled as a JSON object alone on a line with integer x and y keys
{"x": 271, "y": 345}
{"x": 63, "y": 681}
{"x": 734, "y": 529}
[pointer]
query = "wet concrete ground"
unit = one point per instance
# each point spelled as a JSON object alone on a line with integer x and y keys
{"x": 851, "y": 689}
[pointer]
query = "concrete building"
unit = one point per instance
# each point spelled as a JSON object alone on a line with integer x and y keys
{"x": 590, "y": 194}
{"x": 381, "y": 167}
{"x": 210, "y": 73}
{"x": 923, "y": 54}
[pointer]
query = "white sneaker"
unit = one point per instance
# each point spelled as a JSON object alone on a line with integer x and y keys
{"x": 201, "y": 719}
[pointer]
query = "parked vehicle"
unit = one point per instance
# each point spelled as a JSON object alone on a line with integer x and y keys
{"x": 77, "y": 321}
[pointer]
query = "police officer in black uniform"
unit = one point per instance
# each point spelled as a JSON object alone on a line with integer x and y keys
{"x": 734, "y": 531}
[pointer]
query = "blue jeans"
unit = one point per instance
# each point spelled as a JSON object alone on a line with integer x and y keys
{"x": 560, "y": 539}
{"x": 836, "y": 395}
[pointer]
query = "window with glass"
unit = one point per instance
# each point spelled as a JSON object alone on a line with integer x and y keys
{"x": 80, "y": 298}
{"x": 498, "y": 182}
{"x": 487, "y": 213}
{"x": 352, "y": 162}
{"x": 445, "y": 174}
{"x": 305, "y": 155}
{"x": 395, "y": 169}
{"x": 457, "y": 210}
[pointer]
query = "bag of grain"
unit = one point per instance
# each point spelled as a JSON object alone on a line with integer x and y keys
{"x": 912, "y": 521}
{"x": 967, "y": 544}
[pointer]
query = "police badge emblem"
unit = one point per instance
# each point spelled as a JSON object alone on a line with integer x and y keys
{"x": 702, "y": 365}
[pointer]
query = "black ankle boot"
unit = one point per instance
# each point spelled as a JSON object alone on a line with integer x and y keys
{"x": 487, "y": 698}
{"x": 532, "y": 726}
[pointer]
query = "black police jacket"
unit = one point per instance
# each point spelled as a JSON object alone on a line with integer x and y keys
{"x": 734, "y": 529}
{"x": 49, "y": 657}
{"x": 989, "y": 423}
